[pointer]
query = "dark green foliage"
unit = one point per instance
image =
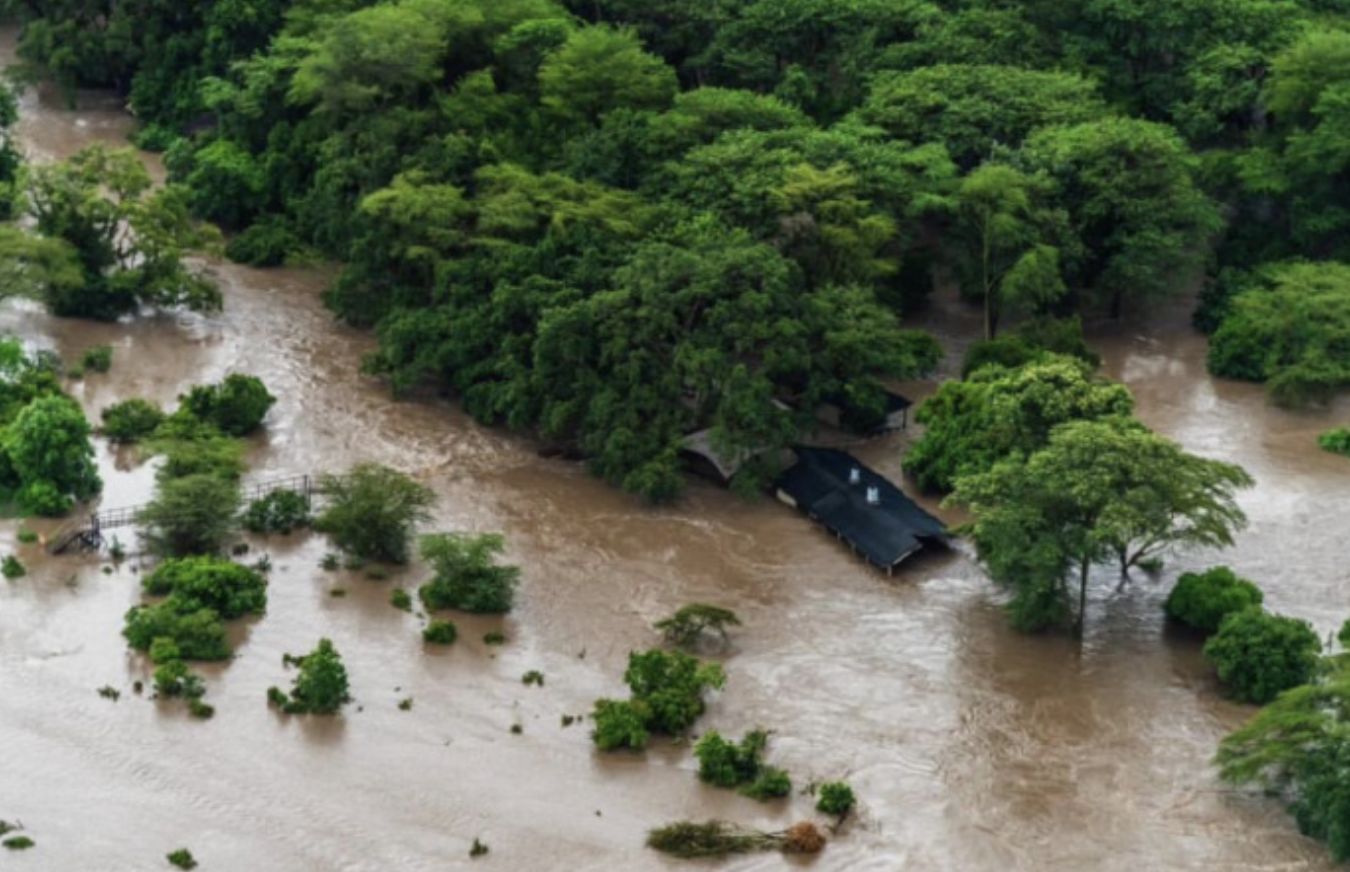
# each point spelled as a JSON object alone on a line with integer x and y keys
{"x": 98, "y": 359}
{"x": 466, "y": 574}
{"x": 1202, "y": 600}
{"x": 690, "y": 622}
{"x": 198, "y": 635}
{"x": 371, "y": 512}
{"x": 280, "y": 511}
{"x": 1258, "y": 655}
{"x": 195, "y": 514}
{"x": 19, "y": 843}
{"x": 27, "y": 537}
{"x": 266, "y": 243}
{"x": 835, "y": 798}
{"x": 620, "y": 724}
{"x": 1032, "y": 342}
{"x": 1292, "y": 330}
{"x": 478, "y": 848}
{"x": 212, "y": 456}
{"x": 182, "y": 858}
{"x": 12, "y": 568}
{"x": 440, "y": 633}
{"x": 231, "y": 590}
{"x": 691, "y": 840}
{"x": 534, "y": 676}
{"x": 771, "y": 783}
{"x": 730, "y": 764}
{"x": 1297, "y": 748}
{"x": 236, "y": 406}
{"x": 321, "y": 685}
{"x": 399, "y": 599}
{"x": 1337, "y": 441}
{"x": 494, "y": 637}
{"x": 131, "y": 420}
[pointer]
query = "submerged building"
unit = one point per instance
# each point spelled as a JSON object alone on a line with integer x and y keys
{"x": 859, "y": 506}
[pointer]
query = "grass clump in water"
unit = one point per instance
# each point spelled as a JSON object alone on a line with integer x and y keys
{"x": 28, "y": 537}
{"x": 691, "y": 840}
{"x": 13, "y": 568}
{"x": 479, "y": 849}
{"x": 440, "y": 633}
{"x": 182, "y": 858}
{"x": 400, "y": 599}
{"x": 495, "y": 637}
{"x": 19, "y": 843}
{"x": 534, "y": 676}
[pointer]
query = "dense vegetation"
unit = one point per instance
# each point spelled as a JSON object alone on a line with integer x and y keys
{"x": 371, "y": 512}
{"x": 46, "y": 458}
{"x": 667, "y": 697}
{"x": 320, "y": 685}
{"x": 740, "y": 765}
{"x": 617, "y": 223}
{"x": 466, "y": 574}
{"x": 1201, "y": 600}
{"x": 1259, "y": 655}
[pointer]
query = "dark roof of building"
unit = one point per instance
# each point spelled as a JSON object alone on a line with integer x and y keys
{"x": 885, "y": 533}
{"x": 896, "y": 402}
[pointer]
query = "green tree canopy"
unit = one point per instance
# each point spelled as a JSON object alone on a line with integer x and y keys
{"x": 47, "y": 447}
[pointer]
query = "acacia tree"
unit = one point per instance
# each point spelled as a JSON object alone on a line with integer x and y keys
{"x": 1097, "y": 490}
{"x": 372, "y": 510}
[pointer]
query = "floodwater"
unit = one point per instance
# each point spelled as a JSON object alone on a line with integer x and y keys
{"x": 970, "y": 746}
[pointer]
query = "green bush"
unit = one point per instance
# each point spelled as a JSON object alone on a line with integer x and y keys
{"x": 440, "y": 633}
{"x": 266, "y": 243}
{"x": 226, "y": 587}
{"x": 770, "y": 783}
{"x": 672, "y": 684}
{"x": 399, "y": 599}
{"x": 216, "y": 456}
{"x": 98, "y": 359}
{"x": 729, "y": 764}
{"x": 49, "y": 452}
{"x": 835, "y": 798}
{"x": 182, "y": 858}
{"x": 12, "y": 568}
{"x": 467, "y": 577}
{"x": 1203, "y": 600}
{"x": 236, "y": 406}
{"x": 280, "y": 511}
{"x": 620, "y": 724}
{"x": 192, "y": 515}
{"x": 44, "y": 499}
{"x": 372, "y": 511}
{"x": 320, "y": 687}
{"x": 164, "y": 650}
{"x": 19, "y": 843}
{"x": 1259, "y": 655}
{"x": 1336, "y": 441}
{"x": 199, "y": 635}
{"x": 131, "y": 420}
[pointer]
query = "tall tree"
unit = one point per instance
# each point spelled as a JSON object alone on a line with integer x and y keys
{"x": 1098, "y": 489}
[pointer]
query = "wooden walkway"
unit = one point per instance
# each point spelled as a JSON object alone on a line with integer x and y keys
{"x": 86, "y": 534}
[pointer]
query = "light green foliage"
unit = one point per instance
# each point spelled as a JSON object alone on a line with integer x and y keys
{"x": 321, "y": 685}
{"x": 371, "y": 511}
{"x": 1032, "y": 341}
{"x": 215, "y": 456}
{"x": 835, "y": 798}
{"x": 131, "y": 420}
{"x": 236, "y": 406}
{"x": 466, "y": 574}
{"x": 1336, "y": 440}
{"x": 598, "y": 70}
{"x": 1298, "y": 747}
{"x": 196, "y": 583}
{"x": 198, "y": 635}
{"x": 994, "y": 413}
{"x": 281, "y": 511}
{"x": 691, "y": 622}
{"x": 973, "y": 109}
{"x": 1259, "y": 655}
{"x": 440, "y": 633}
{"x": 195, "y": 514}
{"x": 128, "y": 238}
{"x": 1098, "y": 489}
{"x": 1292, "y": 330}
{"x": 1202, "y": 600}
{"x": 50, "y": 456}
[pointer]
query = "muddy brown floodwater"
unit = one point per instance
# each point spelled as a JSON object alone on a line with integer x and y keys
{"x": 971, "y": 747}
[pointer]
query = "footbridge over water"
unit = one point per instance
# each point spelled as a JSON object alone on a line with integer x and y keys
{"x": 86, "y": 534}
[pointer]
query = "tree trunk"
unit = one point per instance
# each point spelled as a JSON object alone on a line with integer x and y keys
{"x": 1083, "y": 568}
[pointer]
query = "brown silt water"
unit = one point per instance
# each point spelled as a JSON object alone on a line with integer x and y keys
{"x": 971, "y": 747}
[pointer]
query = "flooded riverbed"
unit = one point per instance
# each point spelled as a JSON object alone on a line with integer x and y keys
{"x": 970, "y": 746}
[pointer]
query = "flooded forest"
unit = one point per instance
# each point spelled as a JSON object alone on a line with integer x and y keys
{"x": 519, "y": 258}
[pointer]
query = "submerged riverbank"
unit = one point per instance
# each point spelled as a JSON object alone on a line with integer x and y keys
{"x": 970, "y": 746}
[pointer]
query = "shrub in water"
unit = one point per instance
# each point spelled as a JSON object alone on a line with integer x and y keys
{"x": 1202, "y": 600}
{"x": 226, "y": 587}
{"x": 278, "y": 512}
{"x": 320, "y": 688}
{"x": 1258, "y": 655}
{"x": 11, "y": 567}
{"x": 199, "y": 635}
{"x": 1336, "y": 441}
{"x": 620, "y": 724}
{"x": 692, "y": 621}
{"x": 98, "y": 358}
{"x": 237, "y": 405}
{"x": 440, "y": 633}
{"x": 467, "y": 576}
{"x": 131, "y": 420}
{"x": 399, "y": 599}
{"x": 182, "y": 858}
{"x": 371, "y": 512}
{"x": 836, "y": 798}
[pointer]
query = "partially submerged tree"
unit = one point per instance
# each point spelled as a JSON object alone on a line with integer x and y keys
{"x": 667, "y": 697}
{"x": 1202, "y": 600}
{"x": 235, "y": 406}
{"x": 49, "y": 456}
{"x": 1259, "y": 655}
{"x": 1097, "y": 490}
{"x": 371, "y": 511}
{"x": 467, "y": 576}
{"x": 195, "y": 514}
{"x": 320, "y": 687}
{"x": 691, "y": 622}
